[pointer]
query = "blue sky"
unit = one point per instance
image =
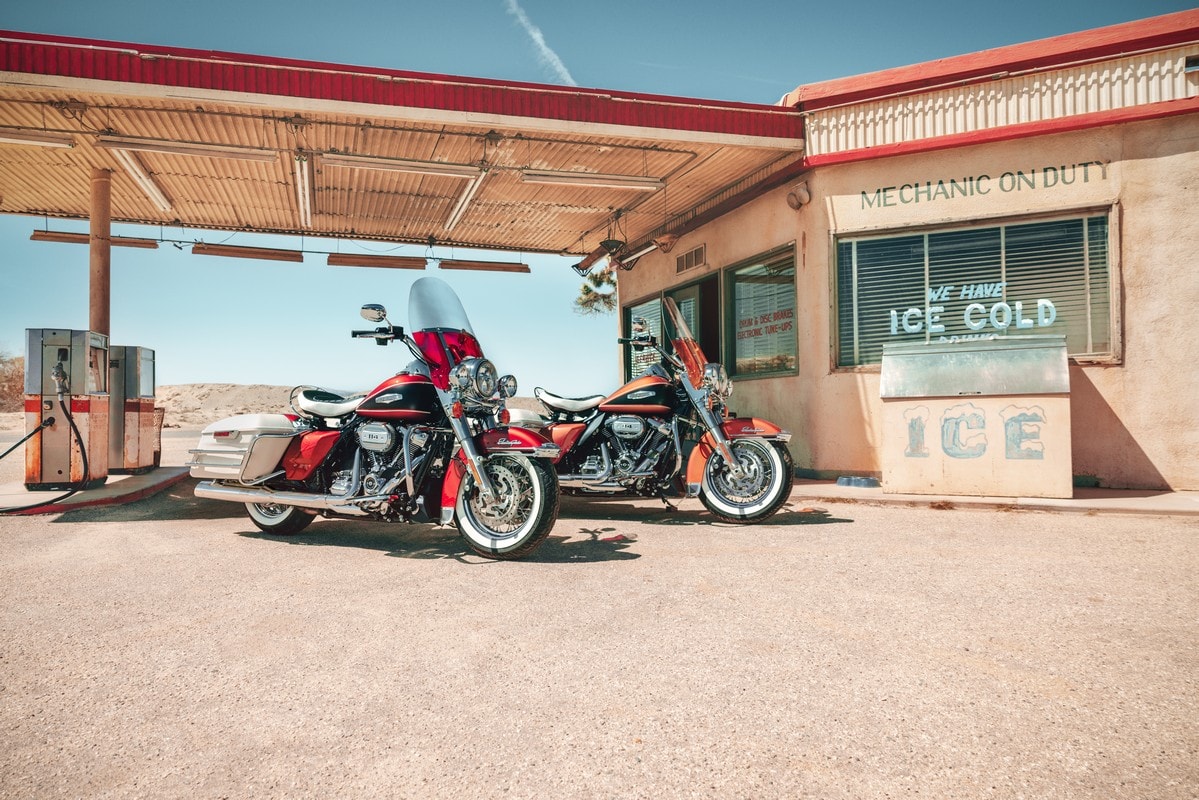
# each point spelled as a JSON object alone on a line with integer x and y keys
{"x": 228, "y": 320}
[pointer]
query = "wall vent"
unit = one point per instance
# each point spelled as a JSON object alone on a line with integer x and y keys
{"x": 691, "y": 259}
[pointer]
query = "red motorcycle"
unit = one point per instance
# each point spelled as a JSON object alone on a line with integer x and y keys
{"x": 667, "y": 432}
{"x": 430, "y": 444}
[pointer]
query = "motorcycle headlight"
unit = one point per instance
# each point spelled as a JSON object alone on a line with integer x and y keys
{"x": 475, "y": 376}
{"x": 508, "y": 386}
{"x": 717, "y": 379}
{"x": 485, "y": 378}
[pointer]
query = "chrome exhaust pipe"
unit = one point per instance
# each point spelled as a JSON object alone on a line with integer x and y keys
{"x": 237, "y": 494}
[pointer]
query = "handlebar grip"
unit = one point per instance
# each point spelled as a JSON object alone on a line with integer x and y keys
{"x": 623, "y": 340}
{"x": 361, "y": 334}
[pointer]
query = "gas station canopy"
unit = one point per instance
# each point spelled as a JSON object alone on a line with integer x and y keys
{"x": 221, "y": 141}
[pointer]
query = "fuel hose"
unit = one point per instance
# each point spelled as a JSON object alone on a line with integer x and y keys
{"x": 82, "y": 453}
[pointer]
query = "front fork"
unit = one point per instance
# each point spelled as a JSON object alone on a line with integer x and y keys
{"x": 715, "y": 429}
{"x": 473, "y": 461}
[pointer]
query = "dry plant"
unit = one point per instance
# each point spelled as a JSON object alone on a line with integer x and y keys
{"x": 12, "y": 382}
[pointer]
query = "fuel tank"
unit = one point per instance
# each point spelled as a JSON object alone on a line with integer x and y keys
{"x": 648, "y": 394}
{"x": 402, "y": 398}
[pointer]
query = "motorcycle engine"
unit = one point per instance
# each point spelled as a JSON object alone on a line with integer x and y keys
{"x": 627, "y": 427}
{"x": 630, "y": 439}
{"x": 378, "y": 441}
{"x": 383, "y": 459}
{"x": 377, "y": 437}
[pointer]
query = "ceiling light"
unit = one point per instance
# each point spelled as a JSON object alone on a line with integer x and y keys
{"x": 584, "y": 266}
{"x": 648, "y": 247}
{"x": 464, "y": 201}
{"x": 392, "y": 262}
{"x": 142, "y": 178}
{"x": 484, "y": 266}
{"x": 37, "y": 138}
{"x": 593, "y": 179}
{"x": 400, "y": 165}
{"x": 84, "y": 238}
{"x": 186, "y": 148}
{"x": 665, "y": 242}
{"x": 236, "y": 251}
{"x": 303, "y": 190}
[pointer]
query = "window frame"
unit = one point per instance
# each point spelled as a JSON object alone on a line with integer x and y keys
{"x": 723, "y": 278}
{"x": 728, "y": 311}
{"x": 1115, "y": 282}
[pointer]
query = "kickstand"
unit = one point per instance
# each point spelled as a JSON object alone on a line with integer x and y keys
{"x": 666, "y": 503}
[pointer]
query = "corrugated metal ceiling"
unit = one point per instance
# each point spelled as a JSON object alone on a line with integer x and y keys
{"x": 713, "y": 147}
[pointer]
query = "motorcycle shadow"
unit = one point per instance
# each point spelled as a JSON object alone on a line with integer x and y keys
{"x": 686, "y": 512}
{"x": 427, "y": 542}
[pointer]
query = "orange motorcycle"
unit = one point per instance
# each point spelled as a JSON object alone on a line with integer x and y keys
{"x": 668, "y": 432}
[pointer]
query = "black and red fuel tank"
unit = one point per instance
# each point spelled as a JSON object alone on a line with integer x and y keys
{"x": 648, "y": 394}
{"x": 403, "y": 398}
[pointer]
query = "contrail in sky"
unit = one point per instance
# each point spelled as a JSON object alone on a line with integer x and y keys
{"x": 545, "y": 53}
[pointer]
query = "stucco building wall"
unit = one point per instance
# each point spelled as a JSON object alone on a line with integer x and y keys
{"x": 1133, "y": 421}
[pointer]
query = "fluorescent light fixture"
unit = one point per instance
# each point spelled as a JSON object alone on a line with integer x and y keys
{"x": 304, "y": 190}
{"x": 593, "y": 179}
{"x": 589, "y": 260}
{"x": 400, "y": 165}
{"x": 186, "y": 148}
{"x": 484, "y": 266}
{"x": 392, "y": 262}
{"x": 464, "y": 201}
{"x": 648, "y": 247}
{"x": 84, "y": 238}
{"x": 36, "y": 138}
{"x": 143, "y": 179}
{"x": 237, "y": 251}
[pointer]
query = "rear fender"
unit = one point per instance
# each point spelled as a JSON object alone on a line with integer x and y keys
{"x": 736, "y": 428}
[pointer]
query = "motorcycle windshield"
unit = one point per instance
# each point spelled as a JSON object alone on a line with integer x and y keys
{"x": 440, "y": 328}
{"x": 685, "y": 345}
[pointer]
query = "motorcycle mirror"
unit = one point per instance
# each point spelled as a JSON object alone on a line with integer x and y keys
{"x": 373, "y": 312}
{"x": 642, "y": 341}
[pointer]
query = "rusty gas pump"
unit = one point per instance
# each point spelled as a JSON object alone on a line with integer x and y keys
{"x": 66, "y": 398}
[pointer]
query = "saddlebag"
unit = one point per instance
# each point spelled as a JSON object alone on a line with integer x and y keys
{"x": 245, "y": 448}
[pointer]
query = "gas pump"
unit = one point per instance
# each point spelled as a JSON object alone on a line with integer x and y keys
{"x": 66, "y": 378}
{"x": 132, "y": 432}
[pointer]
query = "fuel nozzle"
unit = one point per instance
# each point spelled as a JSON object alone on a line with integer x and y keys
{"x": 61, "y": 383}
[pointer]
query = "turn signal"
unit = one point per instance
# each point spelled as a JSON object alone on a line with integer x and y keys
{"x": 504, "y": 416}
{"x": 456, "y": 410}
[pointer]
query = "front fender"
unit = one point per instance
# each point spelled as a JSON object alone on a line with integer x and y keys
{"x": 736, "y": 428}
{"x": 509, "y": 439}
{"x": 513, "y": 439}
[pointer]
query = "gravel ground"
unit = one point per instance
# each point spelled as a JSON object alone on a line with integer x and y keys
{"x": 166, "y": 649}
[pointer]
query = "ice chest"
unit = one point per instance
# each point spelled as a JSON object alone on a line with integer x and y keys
{"x": 245, "y": 448}
{"x": 985, "y": 418}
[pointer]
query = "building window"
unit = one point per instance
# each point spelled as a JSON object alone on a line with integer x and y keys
{"x": 760, "y": 303}
{"x": 636, "y": 361}
{"x": 1042, "y": 277}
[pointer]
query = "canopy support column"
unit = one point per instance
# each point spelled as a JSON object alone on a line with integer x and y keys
{"x": 100, "y": 261}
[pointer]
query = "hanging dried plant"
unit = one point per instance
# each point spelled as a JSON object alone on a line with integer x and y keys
{"x": 598, "y": 294}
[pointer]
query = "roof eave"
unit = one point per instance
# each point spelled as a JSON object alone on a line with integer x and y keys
{"x": 1140, "y": 35}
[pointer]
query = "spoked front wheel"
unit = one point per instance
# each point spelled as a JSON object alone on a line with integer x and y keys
{"x": 517, "y": 518}
{"x": 758, "y": 492}
{"x": 278, "y": 520}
